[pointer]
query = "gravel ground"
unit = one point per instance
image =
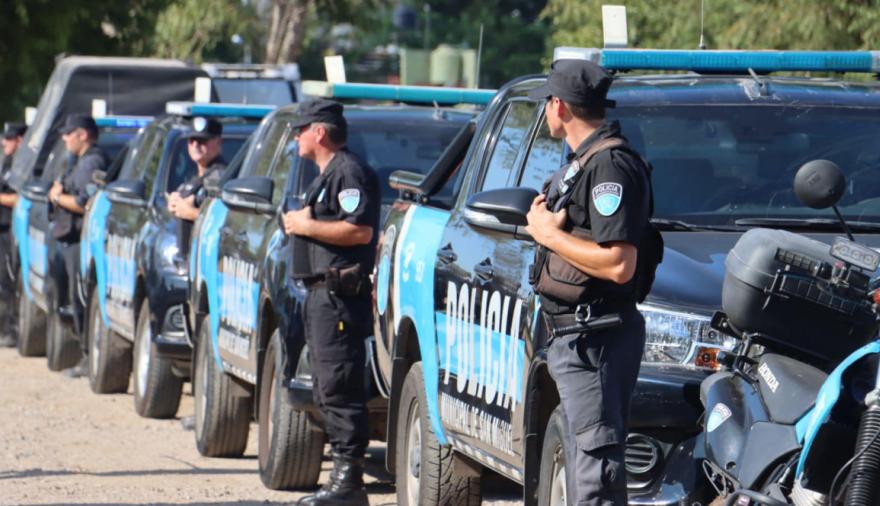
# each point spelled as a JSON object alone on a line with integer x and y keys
{"x": 61, "y": 444}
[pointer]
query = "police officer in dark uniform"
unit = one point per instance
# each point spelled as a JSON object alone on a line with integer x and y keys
{"x": 205, "y": 147}
{"x": 12, "y": 138}
{"x": 593, "y": 219}
{"x": 333, "y": 246}
{"x": 68, "y": 197}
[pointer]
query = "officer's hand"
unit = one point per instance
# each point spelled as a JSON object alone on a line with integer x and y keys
{"x": 297, "y": 222}
{"x": 173, "y": 198}
{"x": 543, "y": 223}
{"x": 56, "y": 190}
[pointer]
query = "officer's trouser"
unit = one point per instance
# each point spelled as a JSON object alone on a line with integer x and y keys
{"x": 336, "y": 328}
{"x": 8, "y": 300}
{"x": 595, "y": 375}
{"x": 70, "y": 253}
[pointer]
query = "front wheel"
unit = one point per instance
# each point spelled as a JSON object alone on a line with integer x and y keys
{"x": 291, "y": 446}
{"x": 157, "y": 390}
{"x": 62, "y": 350}
{"x": 31, "y": 325}
{"x": 425, "y": 473}
{"x": 552, "y": 489}
{"x": 109, "y": 354}
{"x": 222, "y": 417}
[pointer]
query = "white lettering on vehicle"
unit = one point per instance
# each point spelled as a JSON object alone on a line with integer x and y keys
{"x": 769, "y": 377}
{"x": 238, "y": 304}
{"x": 120, "y": 268}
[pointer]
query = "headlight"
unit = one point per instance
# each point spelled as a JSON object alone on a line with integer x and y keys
{"x": 673, "y": 337}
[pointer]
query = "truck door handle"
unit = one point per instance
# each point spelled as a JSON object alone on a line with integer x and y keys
{"x": 484, "y": 270}
{"x": 446, "y": 255}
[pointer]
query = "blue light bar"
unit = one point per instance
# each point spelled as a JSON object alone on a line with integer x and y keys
{"x": 123, "y": 121}
{"x": 727, "y": 61}
{"x": 217, "y": 109}
{"x": 398, "y": 93}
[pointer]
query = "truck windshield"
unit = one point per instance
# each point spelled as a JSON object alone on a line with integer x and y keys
{"x": 714, "y": 165}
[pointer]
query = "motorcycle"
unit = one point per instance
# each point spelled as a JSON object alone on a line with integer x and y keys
{"x": 793, "y": 418}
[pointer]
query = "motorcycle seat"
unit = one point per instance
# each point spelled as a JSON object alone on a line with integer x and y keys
{"x": 788, "y": 387}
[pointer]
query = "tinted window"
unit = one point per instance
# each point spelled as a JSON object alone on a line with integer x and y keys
{"x": 714, "y": 165}
{"x": 57, "y": 162}
{"x": 264, "y": 152}
{"x": 253, "y": 91}
{"x": 544, "y": 158}
{"x": 516, "y": 124}
{"x": 137, "y": 156}
{"x": 181, "y": 167}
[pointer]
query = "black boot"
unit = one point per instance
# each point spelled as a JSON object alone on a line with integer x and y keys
{"x": 345, "y": 488}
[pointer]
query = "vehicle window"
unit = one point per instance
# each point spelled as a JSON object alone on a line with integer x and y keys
{"x": 253, "y": 91}
{"x": 545, "y": 157}
{"x": 150, "y": 168}
{"x": 715, "y": 165}
{"x": 137, "y": 156}
{"x": 408, "y": 144}
{"x": 265, "y": 151}
{"x": 289, "y": 163}
{"x": 57, "y": 162}
{"x": 501, "y": 169}
{"x": 181, "y": 167}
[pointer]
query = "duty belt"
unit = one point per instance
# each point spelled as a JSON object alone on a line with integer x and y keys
{"x": 592, "y": 317}
{"x": 315, "y": 282}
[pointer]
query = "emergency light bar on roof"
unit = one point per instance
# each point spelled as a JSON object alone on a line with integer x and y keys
{"x": 123, "y": 121}
{"x": 215, "y": 109}
{"x": 717, "y": 61}
{"x": 398, "y": 93}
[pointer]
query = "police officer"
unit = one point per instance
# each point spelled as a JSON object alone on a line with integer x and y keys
{"x": 68, "y": 197}
{"x": 205, "y": 147}
{"x": 12, "y": 136}
{"x": 333, "y": 247}
{"x": 604, "y": 191}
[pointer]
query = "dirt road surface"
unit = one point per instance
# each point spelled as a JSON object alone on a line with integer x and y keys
{"x": 60, "y": 444}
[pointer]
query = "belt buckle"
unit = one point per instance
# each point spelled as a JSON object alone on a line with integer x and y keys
{"x": 582, "y": 314}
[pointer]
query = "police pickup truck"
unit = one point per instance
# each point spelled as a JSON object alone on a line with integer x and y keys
{"x": 43, "y": 279}
{"x": 244, "y": 305}
{"x": 134, "y": 280}
{"x": 460, "y": 338}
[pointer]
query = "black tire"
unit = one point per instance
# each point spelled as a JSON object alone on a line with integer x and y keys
{"x": 552, "y": 489}
{"x": 157, "y": 390}
{"x": 222, "y": 418}
{"x": 31, "y": 326}
{"x": 291, "y": 446}
{"x": 426, "y": 475}
{"x": 62, "y": 349}
{"x": 109, "y": 354}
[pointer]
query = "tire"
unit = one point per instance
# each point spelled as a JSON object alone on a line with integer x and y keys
{"x": 552, "y": 488}
{"x": 425, "y": 473}
{"x": 290, "y": 445}
{"x": 157, "y": 390}
{"x": 109, "y": 354}
{"x": 62, "y": 350}
{"x": 31, "y": 326}
{"x": 222, "y": 418}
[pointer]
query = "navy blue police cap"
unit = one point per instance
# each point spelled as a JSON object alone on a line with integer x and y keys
{"x": 205, "y": 128}
{"x": 577, "y": 82}
{"x": 13, "y": 130}
{"x": 83, "y": 121}
{"x": 320, "y": 111}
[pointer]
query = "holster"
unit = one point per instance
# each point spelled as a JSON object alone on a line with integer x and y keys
{"x": 347, "y": 281}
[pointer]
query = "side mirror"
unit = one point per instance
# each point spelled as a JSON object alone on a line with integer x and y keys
{"x": 37, "y": 190}
{"x": 253, "y": 193}
{"x": 504, "y": 209}
{"x": 406, "y": 182}
{"x": 819, "y": 184}
{"x": 129, "y": 191}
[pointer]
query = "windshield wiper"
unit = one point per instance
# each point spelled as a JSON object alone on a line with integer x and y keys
{"x": 667, "y": 225}
{"x": 822, "y": 224}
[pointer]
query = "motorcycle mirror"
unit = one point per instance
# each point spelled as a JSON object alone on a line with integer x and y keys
{"x": 819, "y": 184}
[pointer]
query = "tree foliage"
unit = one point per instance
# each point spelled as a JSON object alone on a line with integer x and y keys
{"x": 202, "y": 30}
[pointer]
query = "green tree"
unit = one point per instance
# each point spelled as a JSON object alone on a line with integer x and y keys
{"x": 202, "y": 30}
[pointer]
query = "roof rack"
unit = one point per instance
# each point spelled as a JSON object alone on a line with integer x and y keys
{"x": 123, "y": 121}
{"x": 733, "y": 61}
{"x": 218, "y": 109}
{"x": 398, "y": 93}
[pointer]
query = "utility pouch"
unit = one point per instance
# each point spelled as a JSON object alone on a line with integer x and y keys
{"x": 348, "y": 281}
{"x": 558, "y": 279}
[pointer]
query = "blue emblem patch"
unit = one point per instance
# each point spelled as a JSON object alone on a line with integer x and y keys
{"x": 349, "y": 199}
{"x": 607, "y": 198}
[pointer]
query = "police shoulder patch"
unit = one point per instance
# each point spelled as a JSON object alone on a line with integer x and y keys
{"x": 607, "y": 198}
{"x": 349, "y": 199}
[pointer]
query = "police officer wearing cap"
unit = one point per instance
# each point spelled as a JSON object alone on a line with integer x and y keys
{"x": 333, "y": 246}
{"x": 68, "y": 197}
{"x": 205, "y": 147}
{"x": 12, "y": 137}
{"x": 593, "y": 219}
